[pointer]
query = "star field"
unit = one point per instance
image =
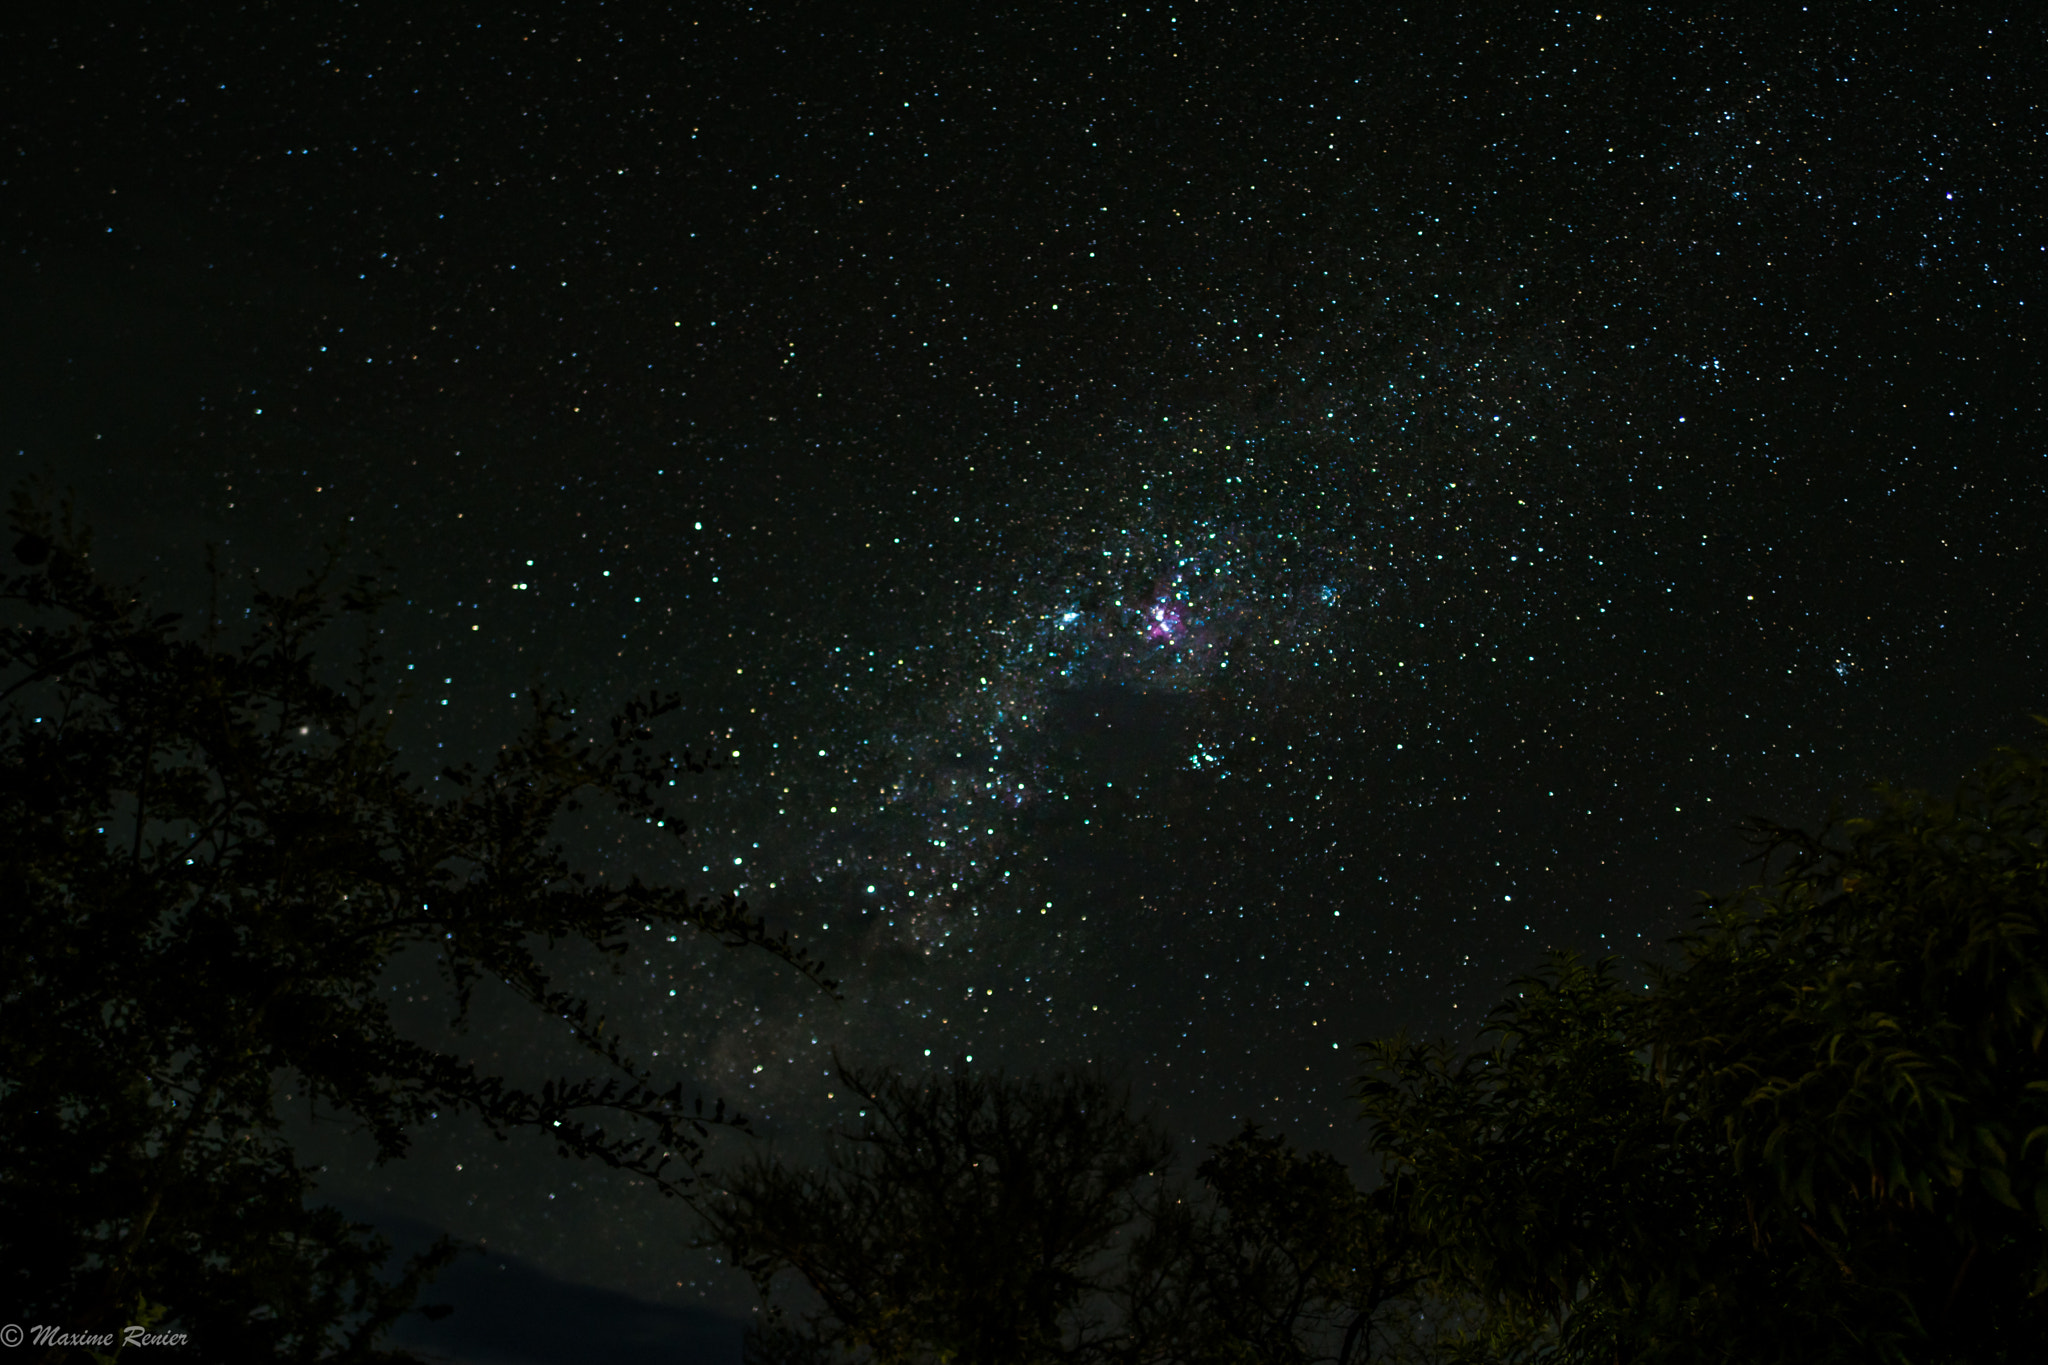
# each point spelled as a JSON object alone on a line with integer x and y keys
{"x": 1197, "y": 535}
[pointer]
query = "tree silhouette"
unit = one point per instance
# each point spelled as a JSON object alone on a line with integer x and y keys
{"x": 208, "y": 853}
{"x": 987, "y": 1218}
{"x": 1823, "y": 1136}
{"x": 965, "y": 1219}
{"x": 1290, "y": 1262}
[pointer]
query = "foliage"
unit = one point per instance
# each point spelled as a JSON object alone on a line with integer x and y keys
{"x": 990, "y": 1219}
{"x": 208, "y": 854}
{"x": 1823, "y": 1136}
{"x": 1865, "y": 1038}
{"x": 1288, "y": 1263}
{"x": 963, "y": 1219}
{"x": 1544, "y": 1179}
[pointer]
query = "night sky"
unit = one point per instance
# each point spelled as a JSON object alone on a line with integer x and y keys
{"x": 1201, "y": 534}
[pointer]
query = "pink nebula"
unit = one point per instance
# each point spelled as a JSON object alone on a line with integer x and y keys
{"x": 1165, "y": 620}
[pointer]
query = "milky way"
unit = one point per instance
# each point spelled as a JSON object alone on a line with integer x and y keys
{"x": 1194, "y": 539}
